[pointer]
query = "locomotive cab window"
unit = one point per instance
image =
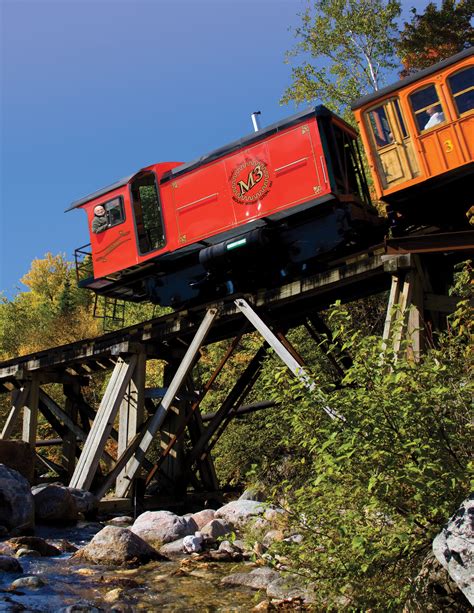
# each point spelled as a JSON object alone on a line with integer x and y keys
{"x": 427, "y": 108}
{"x": 107, "y": 215}
{"x": 147, "y": 211}
{"x": 462, "y": 90}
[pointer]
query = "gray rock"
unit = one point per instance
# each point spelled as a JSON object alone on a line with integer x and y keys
{"x": 123, "y": 521}
{"x": 28, "y": 553}
{"x": 19, "y": 456}
{"x": 215, "y": 529}
{"x": 17, "y": 511}
{"x": 294, "y": 538}
{"x": 193, "y": 543}
{"x": 54, "y": 503}
{"x": 239, "y": 512}
{"x": 454, "y": 548}
{"x": 173, "y": 548}
{"x": 272, "y": 536}
{"x": 160, "y": 527}
{"x": 202, "y": 518}
{"x": 286, "y": 588}
{"x": 117, "y": 546}
{"x": 258, "y": 579}
{"x": 86, "y": 502}
{"x": 227, "y": 547}
{"x": 253, "y": 493}
{"x": 39, "y": 545}
{"x": 31, "y": 581}
{"x": 10, "y": 565}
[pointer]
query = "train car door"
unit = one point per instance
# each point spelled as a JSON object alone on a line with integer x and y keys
{"x": 147, "y": 212}
{"x": 391, "y": 144}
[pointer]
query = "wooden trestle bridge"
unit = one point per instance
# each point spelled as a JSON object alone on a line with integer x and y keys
{"x": 416, "y": 270}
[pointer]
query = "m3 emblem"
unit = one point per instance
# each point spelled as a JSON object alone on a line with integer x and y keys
{"x": 250, "y": 181}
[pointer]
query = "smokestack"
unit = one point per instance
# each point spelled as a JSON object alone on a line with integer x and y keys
{"x": 256, "y": 121}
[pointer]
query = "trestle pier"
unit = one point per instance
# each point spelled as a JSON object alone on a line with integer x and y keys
{"x": 138, "y": 433}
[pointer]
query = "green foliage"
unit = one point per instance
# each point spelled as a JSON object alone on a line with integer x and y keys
{"x": 370, "y": 489}
{"x": 346, "y": 48}
{"x": 435, "y": 34}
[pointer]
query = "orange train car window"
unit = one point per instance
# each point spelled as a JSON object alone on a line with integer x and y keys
{"x": 427, "y": 108}
{"x": 115, "y": 213}
{"x": 462, "y": 89}
{"x": 380, "y": 127}
{"x": 147, "y": 211}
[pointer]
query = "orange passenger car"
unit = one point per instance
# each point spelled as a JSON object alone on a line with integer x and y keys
{"x": 419, "y": 137}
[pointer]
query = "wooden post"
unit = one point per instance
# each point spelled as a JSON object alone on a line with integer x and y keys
{"x": 103, "y": 422}
{"x": 131, "y": 416}
{"x": 158, "y": 418}
{"x": 69, "y": 446}
{"x": 30, "y": 412}
{"x": 19, "y": 399}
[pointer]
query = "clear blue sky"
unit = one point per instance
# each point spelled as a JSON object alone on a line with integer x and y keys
{"x": 93, "y": 90}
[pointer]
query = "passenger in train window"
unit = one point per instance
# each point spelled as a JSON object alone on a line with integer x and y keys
{"x": 100, "y": 222}
{"x": 435, "y": 115}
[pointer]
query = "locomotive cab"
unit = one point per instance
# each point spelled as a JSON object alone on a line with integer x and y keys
{"x": 419, "y": 137}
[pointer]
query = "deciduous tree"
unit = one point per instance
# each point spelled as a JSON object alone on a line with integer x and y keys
{"x": 345, "y": 47}
{"x": 435, "y": 34}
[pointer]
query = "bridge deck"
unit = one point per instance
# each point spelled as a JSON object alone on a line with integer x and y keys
{"x": 355, "y": 277}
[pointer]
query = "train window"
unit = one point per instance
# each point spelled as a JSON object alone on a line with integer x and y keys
{"x": 427, "y": 108}
{"x": 114, "y": 211}
{"x": 380, "y": 127}
{"x": 462, "y": 88}
{"x": 400, "y": 118}
{"x": 147, "y": 210}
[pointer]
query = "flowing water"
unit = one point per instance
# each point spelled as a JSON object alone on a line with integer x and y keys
{"x": 179, "y": 585}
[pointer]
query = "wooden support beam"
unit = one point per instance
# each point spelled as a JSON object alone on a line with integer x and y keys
{"x": 47, "y": 406}
{"x": 95, "y": 443}
{"x": 19, "y": 399}
{"x": 194, "y": 408}
{"x": 30, "y": 412}
{"x": 283, "y": 353}
{"x": 184, "y": 368}
{"x": 69, "y": 447}
{"x": 131, "y": 417}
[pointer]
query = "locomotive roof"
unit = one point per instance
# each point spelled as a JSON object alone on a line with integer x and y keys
{"x": 412, "y": 78}
{"x": 319, "y": 111}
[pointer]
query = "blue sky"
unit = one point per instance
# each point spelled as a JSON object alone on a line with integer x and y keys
{"x": 93, "y": 90}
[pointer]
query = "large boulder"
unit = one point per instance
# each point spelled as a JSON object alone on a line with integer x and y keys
{"x": 20, "y": 456}
{"x": 240, "y": 512}
{"x": 203, "y": 517}
{"x": 160, "y": 527}
{"x": 454, "y": 548}
{"x": 54, "y": 503}
{"x": 117, "y": 546}
{"x": 86, "y": 502}
{"x": 17, "y": 511}
{"x": 34, "y": 543}
{"x": 215, "y": 529}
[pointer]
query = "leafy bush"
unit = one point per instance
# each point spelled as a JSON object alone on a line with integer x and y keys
{"x": 371, "y": 488}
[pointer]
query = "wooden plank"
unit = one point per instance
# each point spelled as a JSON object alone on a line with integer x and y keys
{"x": 131, "y": 416}
{"x": 69, "y": 447}
{"x": 94, "y": 445}
{"x": 46, "y": 402}
{"x": 19, "y": 399}
{"x": 283, "y": 353}
{"x": 158, "y": 418}
{"x": 30, "y": 412}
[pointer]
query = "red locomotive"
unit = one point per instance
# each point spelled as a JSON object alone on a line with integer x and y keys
{"x": 267, "y": 207}
{"x": 251, "y": 214}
